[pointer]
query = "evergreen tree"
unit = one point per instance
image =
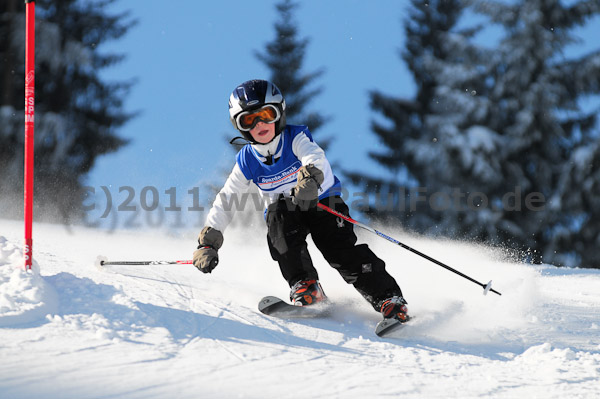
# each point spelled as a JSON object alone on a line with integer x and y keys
{"x": 534, "y": 129}
{"x": 77, "y": 114}
{"x": 576, "y": 238}
{"x": 284, "y": 56}
{"x": 433, "y": 40}
{"x": 507, "y": 124}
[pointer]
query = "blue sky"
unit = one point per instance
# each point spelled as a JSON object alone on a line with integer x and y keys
{"x": 188, "y": 56}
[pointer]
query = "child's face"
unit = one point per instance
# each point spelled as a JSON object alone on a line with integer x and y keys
{"x": 263, "y": 132}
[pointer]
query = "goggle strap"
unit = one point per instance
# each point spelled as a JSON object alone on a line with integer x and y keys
{"x": 234, "y": 140}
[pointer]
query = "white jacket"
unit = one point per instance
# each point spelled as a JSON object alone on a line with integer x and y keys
{"x": 291, "y": 149}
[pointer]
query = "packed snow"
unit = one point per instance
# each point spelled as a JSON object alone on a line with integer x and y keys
{"x": 71, "y": 330}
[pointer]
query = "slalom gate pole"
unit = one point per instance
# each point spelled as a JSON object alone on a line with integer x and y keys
{"x": 29, "y": 128}
{"x": 102, "y": 261}
{"x": 486, "y": 287}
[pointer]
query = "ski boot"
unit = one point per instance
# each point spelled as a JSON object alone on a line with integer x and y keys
{"x": 307, "y": 292}
{"x": 395, "y": 307}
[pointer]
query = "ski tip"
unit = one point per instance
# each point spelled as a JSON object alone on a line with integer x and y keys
{"x": 386, "y": 326}
{"x": 268, "y": 303}
{"x": 487, "y": 288}
{"x": 100, "y": 261}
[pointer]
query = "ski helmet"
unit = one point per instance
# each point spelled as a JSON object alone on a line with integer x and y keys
{"x": 250, "y": 97}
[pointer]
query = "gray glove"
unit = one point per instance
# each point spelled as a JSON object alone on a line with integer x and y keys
{"x": 206, "y": 257}
{"x": 306, "y": 192}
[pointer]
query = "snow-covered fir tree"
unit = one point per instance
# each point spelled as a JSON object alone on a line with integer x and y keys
{"x": 77, "y": 114}
{"x": 285, "y": 58}
{"x": 539, "y": 130}
{"x": 499, "y": 141}
{"x": 412, "y": 147}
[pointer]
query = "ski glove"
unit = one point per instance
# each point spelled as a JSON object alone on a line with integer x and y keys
{"x": 206, "y": 257}
{"x": 306, "y": 192}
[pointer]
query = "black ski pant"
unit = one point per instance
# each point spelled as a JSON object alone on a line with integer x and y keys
{"x": 288, "y": 227}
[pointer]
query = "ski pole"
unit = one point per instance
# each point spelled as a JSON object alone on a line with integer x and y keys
{"x": 486, "y": 287}
{"x": 103, "y": 261}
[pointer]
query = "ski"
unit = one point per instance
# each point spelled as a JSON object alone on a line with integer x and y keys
{"x": 273, "y": 306}
{"x": 277, "y": 307}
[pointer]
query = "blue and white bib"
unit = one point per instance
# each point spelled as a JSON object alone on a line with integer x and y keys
{"x": 280, "y": 176}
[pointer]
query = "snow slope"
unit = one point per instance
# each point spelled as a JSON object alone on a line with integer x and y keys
{"x": 69, "y": 330}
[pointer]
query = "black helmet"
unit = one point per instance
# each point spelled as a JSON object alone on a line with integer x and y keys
{"x": 251, "y": 96}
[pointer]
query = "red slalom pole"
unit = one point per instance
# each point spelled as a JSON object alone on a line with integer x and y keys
{"x": 29, "y": 119}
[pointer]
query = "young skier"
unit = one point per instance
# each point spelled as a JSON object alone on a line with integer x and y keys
{"x": 293, "y": 174}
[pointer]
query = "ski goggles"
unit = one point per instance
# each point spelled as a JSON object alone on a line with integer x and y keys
{"x": 247, "y": 120}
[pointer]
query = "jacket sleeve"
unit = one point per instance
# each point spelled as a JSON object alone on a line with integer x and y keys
{"x": 225, "y": 204}
{"x": 307, "y": 151}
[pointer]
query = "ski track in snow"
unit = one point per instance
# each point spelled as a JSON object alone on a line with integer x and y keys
{"x": 69, "y": 330}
